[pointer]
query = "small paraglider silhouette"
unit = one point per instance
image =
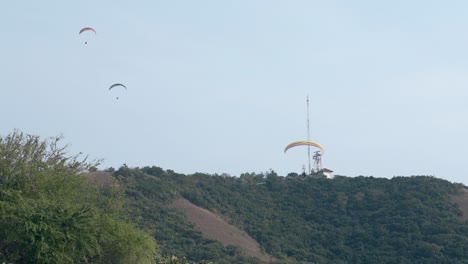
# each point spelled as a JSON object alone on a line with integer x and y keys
{"x": 116, "y": 85}
{"x": 87, "y": 29}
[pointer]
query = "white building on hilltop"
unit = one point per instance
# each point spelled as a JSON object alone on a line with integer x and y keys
{"x": 327, "y": 173}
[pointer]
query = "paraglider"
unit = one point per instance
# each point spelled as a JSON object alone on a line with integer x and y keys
{"x": 117, "y": 85}
{"x": 304, "y": 143}
{"x": 87, "y": 29}
{"x": 317, "y": 156}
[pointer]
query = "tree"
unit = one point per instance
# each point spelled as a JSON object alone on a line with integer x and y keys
{"x": 50, "y": 213}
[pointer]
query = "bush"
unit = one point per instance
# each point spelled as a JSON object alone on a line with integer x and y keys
{"x": 50, "y": 213}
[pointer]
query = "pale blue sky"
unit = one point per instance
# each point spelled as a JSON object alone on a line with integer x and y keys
{"x": 220, "y": 86}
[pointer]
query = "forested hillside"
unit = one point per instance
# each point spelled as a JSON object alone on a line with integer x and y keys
{"x": 303, "y": 220}
{"x": 57, "y": 208}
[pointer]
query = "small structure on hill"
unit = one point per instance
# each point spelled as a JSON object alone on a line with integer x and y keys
{"x": 318, "y": 166}
{"x": 317, "y": 161}
{"x": 326, "y": 172}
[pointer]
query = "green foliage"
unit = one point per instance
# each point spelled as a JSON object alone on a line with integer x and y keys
{"x": 357, "y": 220}
{"x": 46, "y": 231}
{"x": 122, "y": 243}
{"x": 148, "y": 191}
{"x": 176, "y": 260}
{"x": 50, "y": 213}
{"x": 306, "y": 220}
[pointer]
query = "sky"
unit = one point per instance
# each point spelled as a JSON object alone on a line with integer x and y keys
{"x": 221, "y": 86}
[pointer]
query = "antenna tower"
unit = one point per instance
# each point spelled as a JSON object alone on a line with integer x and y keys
{"x": 308, "y": 135}
{"x": 317, "y": 161}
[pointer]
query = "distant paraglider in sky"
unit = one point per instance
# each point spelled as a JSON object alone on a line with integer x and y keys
{"x": 87, "y": 29}
{"x": 115, "y": 85}
{"x": 304, "y": 143}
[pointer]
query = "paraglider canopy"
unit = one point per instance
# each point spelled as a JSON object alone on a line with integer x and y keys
{"x": 87, "y": 29}
{"x": 304, "y": 143}
{"x": 117, "y": 84}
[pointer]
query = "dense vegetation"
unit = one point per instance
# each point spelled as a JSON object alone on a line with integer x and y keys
{"x": 50, "y": 212}
{"x": 146, "y": 198}
{"x": 308, "y": 220}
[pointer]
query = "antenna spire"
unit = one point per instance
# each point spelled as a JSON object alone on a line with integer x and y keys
{"x": 308, "y": 134}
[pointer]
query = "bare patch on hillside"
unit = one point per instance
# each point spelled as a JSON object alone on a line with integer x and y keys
{"x": 102, "y": 179}
{"x": 214, "y": 227}
{"x": 462, "y": 201}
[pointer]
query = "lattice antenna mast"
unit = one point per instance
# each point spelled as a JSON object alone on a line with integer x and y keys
{"x": 308, "y": 134}
{"x": 317, "y": 161}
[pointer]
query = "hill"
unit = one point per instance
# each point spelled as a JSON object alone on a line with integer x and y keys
{"x": 299, "y": 220}
{"x": 461, "y": 200}
{"x": 215, "y": 227}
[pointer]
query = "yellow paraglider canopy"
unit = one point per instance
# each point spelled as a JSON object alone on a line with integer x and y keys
{"x": 304, "y": 143}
